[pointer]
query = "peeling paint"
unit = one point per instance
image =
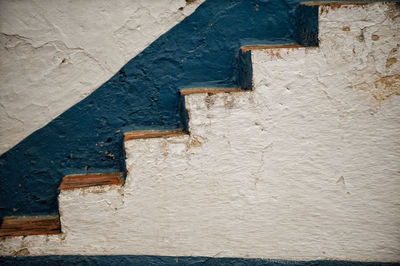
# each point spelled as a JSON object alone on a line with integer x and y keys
{"x": 201, "y": 51}
{"x": 300, "y": 154}
{"x": 21, "y": 252}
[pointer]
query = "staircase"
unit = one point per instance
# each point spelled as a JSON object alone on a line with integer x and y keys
{"x": 303, "y": 166}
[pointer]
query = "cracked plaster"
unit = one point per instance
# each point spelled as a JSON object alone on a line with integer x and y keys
{"x": 53, "y": 54}
{"x": 303, "y": 167}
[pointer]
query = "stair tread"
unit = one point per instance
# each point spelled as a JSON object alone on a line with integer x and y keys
{"x": 209, "y": 90}
{"x": 246, "y": 48}
{"x": 147, "y": 134}
{"x": 89, "y": 180}
{"x": 30, "y": 225}
{"x": 340, "y": 3}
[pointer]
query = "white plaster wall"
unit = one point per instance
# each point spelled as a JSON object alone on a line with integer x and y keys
{"x": 306, "y": 166}
{"x": 55, "y": 53}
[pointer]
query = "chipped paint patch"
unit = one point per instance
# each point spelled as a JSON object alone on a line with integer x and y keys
{"x": 201, "y": 51}
{"x": 21, "y": 252}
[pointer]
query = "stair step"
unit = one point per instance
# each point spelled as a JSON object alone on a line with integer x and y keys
{"x": 246, "y": 48}
{"x": 337, "y": 3}
{"x": 30, "y": 225}
{"x": 209, "y": 90}
{"x": 148, "y": 134}
{"x": 90, "y": 180}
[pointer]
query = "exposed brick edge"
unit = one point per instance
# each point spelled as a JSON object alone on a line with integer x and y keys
{"x": 90, "y": 180}
{"x": 209, "y": 90}
{"x": 30, "y": 225}
{"x": 338, "y": 3}
{"x": 263, "y": 47}
{"x": 148, "y": 134}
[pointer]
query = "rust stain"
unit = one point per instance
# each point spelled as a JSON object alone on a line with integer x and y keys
{"x": 374, "y": 37}
{"x": 62, "y": 236}
{"x": 346, "y": 29}
{"x": 392, "y": 57}
{"x": 275, "y": 52}
{"x": 332, "y": 5}
{"x": 267, "y": 47}
{"x": 195, "y": 142}
{"x": 390, "y": 62}
{"x": 188, "y": 2}
{"x": 385, "y": 87}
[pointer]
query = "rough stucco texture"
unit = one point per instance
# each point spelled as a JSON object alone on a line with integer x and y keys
{"x": 305, "y": 166}
{"x": 87, "y": 138}
{"x": 54, "y": 53}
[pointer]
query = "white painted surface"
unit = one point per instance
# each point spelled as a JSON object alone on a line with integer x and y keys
{"x": 304, "y": 167}
{"x": 55, "y": 53}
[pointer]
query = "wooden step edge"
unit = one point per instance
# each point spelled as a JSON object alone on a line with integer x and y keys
{"x": 70, "y": 182}
{"x": 338, "y": 3}
{"x": 30, "y": 225}
{"x": 148, "y": 134}
{"x": 209, "y": 90}
{"x": 246, "y": 48}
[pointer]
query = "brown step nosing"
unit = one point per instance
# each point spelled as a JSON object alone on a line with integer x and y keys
{"x": 30, "y": 225}
{"x": 246, "y": 48}
{"x": 210, "y": 90}
{"x": 338, "y": 3}
{"x": 70, "y": 182}
{"x": 148, "y": 134}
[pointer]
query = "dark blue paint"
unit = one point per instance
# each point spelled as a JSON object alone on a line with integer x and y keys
{"x": 202, "y": 50}
{"x": 307, "y": 25}
{"x": 176, "y": 261}
{"x": 245, "y": 70}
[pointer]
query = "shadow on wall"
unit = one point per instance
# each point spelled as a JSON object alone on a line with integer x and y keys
{"x": 88, "y": 138}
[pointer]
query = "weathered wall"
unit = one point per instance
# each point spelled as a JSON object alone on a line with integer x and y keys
{"x": 55, "y": 53}
{"x": 202, "y": 50}
{"x": 305, "y": 166}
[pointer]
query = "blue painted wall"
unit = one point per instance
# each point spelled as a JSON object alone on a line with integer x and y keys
{"x": 177, "y": 261}
{"x": 201, "y": 50}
